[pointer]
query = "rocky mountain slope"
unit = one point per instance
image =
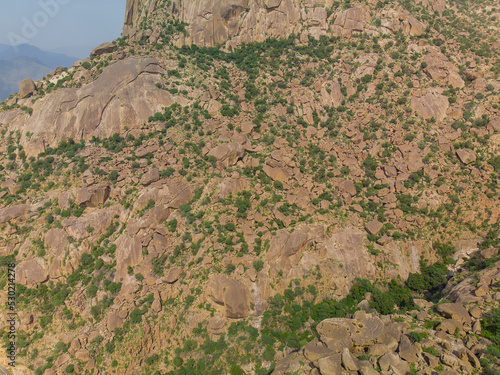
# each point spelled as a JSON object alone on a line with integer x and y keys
{"x": 235, "y": 186}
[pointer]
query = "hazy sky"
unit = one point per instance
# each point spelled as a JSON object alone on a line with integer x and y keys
{"x": 73, "y": 27}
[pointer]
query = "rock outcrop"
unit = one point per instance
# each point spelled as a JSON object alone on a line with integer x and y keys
{"x": 26, "y": 88}
{"x": 124, "y": 95}
{"x": 232, "y": 294}
{"x": 367, "y": 344}
{"x": 233, "y": 22}
{"x": 92, "y": 196}
{"x": 430, "y": 105}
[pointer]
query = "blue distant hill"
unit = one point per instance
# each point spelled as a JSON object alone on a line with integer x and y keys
{"x": 50, "y": 59}
{"x": 26, "y": 61}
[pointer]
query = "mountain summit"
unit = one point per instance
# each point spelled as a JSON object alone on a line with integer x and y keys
{"x": 233, "y": 22}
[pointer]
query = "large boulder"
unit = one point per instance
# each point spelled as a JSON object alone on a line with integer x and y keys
{"x": 33, "y": 271}
{"x": 106, "y": 47}
{"x": 316, "y": 350}
{"x": 92, "y": 196}
{"x": 13, "y": 212}
{"x": 369, "y": 329}
{"x": 336, "y": 333}
{"x": 331, "y": 365}
{"x": 439, "y": 68}
{"x": 234, "y": 295}
{"x": 227, "y": 153}
{"x": 151, "y": 176}
{"x": 26, "y": 88}
{"x": 173, "y": 275}
{"x": 349, "y": 187}
{"x": 56, "y": 240}
{"x": 348, "y": 361}
{"x": 286, "y": 248}
{"x": 449, "y": 326}
{"x": 466, "y": 156}
{"x": 272, "y": 3}
{"x": 430, "y": 105}
{"x": 408, "y": 351}
{"x": 373, "y": 227}
{"x": 455, "y": 311}
{"x": 277, "y": 173}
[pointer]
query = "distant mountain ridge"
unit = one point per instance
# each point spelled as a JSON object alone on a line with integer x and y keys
{"x": 50, "y": 59}
{"x": 26, "y": 61}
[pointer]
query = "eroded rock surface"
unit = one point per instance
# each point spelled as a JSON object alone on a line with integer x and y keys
{"x": 125, "y": 94}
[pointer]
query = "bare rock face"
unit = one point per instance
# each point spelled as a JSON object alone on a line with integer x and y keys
{"x": 430, "y": 105}
{"x": 466, "y": 156}
{"x": 407, "y": 350}
{"x": 128, "y": 253}
{"x": 286, "y": 247}
{"x": 233, "y": 294}
{"x": 149, "y": 177}
{"x": 32, "y": 271}
{"x": 106, "y": 47}
{"x": 173, "y": 275}
{"x": 272, "y": 3}
{"x": 455, "y": 311}
{"x": 235, "y": 21}
{"x": 441, "y": 69}
{"x": 56, "y": 240}
{"x": 336, "y": 333}
{"x": 26, "y": 88}
{"x": 125, "y": 94}
{"x": 92, "y": 196}
{"x": 227, "y": 153}
{"x": 13, "y": 212}
{"x": 97, "y": 219}
{"x": 437, "y": 5}
{"x": 353, "y": 19}
{"x": 394, "y": 21}
{"x": 373, "y": 227}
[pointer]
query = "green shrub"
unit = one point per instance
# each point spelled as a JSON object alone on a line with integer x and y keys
{"x": 178, "y": 361}
{"x": 113, "y": 176}
{"x": 491, "y": 325}
{"x": 269, "y": 353}
{"x": 172, "y": 225}
{"x": 258, "y": 265}
{"x": 69, "y": 369}
{"x": 230, "y": 227}
{"x": 136, "y": 315}
{"x": 415, "y": 336}
{"x": 444, "y": 250}
{"x": 109, "y": 347}
{"x": 236, "y": 370}
{"x": 431, "y": 350}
